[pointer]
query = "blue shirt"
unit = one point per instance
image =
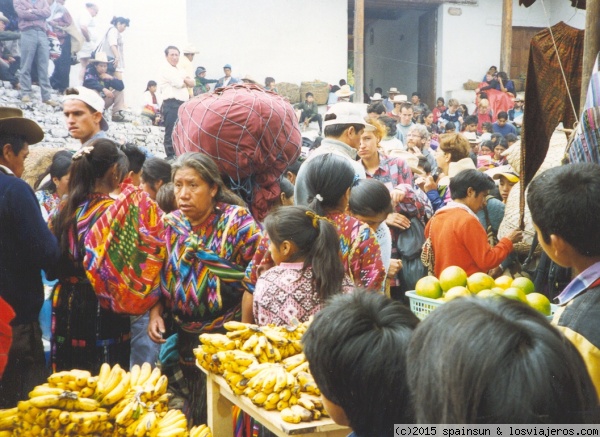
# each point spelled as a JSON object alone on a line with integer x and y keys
{"x": 504, "y": 130}
{"x": 581, "y": 283}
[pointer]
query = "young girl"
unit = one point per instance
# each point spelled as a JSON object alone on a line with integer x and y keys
{"x": 371, "y": 203}
{"x": 308, "y": 269}
{"x": 439, "y": 109}
{"x": 151, "y": 107}
{"x": 497, "y": 158}
{"x": 50, "y": 193}
{"x": 486, "y": 155}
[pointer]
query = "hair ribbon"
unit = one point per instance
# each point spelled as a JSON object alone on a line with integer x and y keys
{"x": 86, "y": 150}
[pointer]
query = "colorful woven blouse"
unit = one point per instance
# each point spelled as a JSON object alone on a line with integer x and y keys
{"x": 360, "y": 251}
{"x": 201, "y": 279}
{"x": 48, "y": 201}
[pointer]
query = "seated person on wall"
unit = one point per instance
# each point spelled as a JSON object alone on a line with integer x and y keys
{"x": 9, "y": 53}
{"x": 108, "y": 87}
{"x": 310, "y": 112}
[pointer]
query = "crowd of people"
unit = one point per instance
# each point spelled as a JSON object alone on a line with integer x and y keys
{"x": 366, "y": 198}
{"x": 33, "y": 33}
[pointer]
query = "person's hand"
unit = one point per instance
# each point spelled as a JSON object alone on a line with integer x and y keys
{"x": 515, "y": 236}
{"x": 420, "y": 182}
{"x": 11, "y": 59}
{"x": 460, "y": 120}
{"x": 397, "y": 220}
{"x": 477, "y": 90}
{"x": 496, "y": 272}
{"x": 395, "y": 267}
{"x": 430, "y": 184}
{"x": 397, "y": 195}
{"x": 156, "y": 324}
{"x": 416, "y": 151}
{"x": 115, "y": 62}
{"x": 106, "y": 76}
{"x": 189, "y": 82}
{"x": 108, "y": 93}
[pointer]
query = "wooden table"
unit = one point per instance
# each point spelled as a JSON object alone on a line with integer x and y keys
{"x": 220, "y": 399}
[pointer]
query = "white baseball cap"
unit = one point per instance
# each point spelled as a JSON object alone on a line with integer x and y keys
{"x": 93, "y": 99}
{"x": 345, "y": 113}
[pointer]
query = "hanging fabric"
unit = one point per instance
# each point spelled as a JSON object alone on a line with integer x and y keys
{"x": 547, "y": 100}
{"x": 585, "y": 146}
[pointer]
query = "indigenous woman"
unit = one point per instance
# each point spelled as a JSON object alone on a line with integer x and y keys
{"x": 84, "y": 335}
{"x": 329, "y": 179}
{"x": 210, "y": 241}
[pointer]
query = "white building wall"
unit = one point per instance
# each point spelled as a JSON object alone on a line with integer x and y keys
{"x": 292, "y": 40}
{"x": 392, "y": 59}
{"x": 468, "y": 44}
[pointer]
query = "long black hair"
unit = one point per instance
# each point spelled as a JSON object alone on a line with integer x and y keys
{"x": 317, "y": 241}
{"x": 85, "y": 171}
{"x": 328, "y": 177}
{"x": 60, "y": 166}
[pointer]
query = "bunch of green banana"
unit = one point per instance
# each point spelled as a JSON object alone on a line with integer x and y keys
{"x": 200, "y": 431}
{"x": 307, "y": 409}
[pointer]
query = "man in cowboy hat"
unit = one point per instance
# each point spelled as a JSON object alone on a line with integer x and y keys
{"x": 82, "y": 108}
{"x": 389, "y": 100}
{"x": 227, "y": 79}
{"x": 110, "y": 88}
{"x": 26, "y": 247}
{"x": 344, "y": 93}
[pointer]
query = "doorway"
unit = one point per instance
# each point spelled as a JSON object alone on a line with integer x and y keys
{"x": 521, "y": 40}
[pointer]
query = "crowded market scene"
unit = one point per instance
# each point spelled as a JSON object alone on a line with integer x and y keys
{"x": 396, "y": 230}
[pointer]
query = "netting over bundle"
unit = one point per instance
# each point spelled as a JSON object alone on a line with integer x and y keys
{"x": 252, "y": 135}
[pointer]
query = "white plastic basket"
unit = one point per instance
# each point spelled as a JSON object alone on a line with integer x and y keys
{"x": 421, "y": 306}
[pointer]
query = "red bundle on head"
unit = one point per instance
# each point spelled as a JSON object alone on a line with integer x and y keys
{"x": 251, "y": 134}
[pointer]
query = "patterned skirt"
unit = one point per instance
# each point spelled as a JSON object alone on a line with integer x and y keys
{"x": 84, "y": 335}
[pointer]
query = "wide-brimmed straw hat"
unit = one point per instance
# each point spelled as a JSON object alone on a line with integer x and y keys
{"x": 100, "y": 57}
{"x": 344, "y": 91}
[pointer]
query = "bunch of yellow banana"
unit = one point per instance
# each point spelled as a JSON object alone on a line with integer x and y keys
{"x": 307, "y": 409}
{"x": 9, "y": 419}
{"x": 298, "y": 366}
{"x": 34, "y": 421}
{"x": 45, "y": 396}
{"x": 268, "y": 343}
{"x": 200, "y": 431}
{"x": 204, "y": 359}
{"x": 270, "y": 386}
{"x": 172, "y": 424}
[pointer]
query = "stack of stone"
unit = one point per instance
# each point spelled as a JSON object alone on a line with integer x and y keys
{"x": 137, "y": 130}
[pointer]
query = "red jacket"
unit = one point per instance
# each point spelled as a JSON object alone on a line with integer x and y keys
{"x": 6, "y": 316}
{"x": 459, "y": 240}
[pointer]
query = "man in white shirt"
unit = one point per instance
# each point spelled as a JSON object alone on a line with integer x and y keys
{"x": 172, "y": 83}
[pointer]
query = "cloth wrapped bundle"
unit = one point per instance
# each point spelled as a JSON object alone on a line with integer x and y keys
{"x": 125, "y": 251}
{"x": 253, "y": 135}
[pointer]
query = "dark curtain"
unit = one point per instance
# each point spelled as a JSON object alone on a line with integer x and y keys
{"x": 546, "y": 99}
